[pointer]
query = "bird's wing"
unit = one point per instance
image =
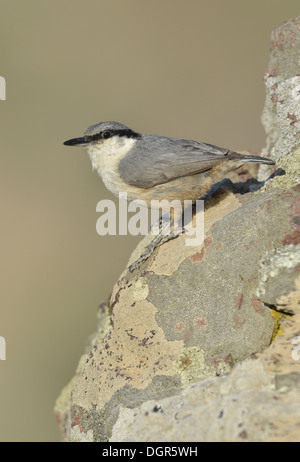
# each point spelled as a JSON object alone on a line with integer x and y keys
{"x": 156, "y": 160}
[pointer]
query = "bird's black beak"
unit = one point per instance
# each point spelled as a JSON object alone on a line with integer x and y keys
{"x": 77, "y": 142}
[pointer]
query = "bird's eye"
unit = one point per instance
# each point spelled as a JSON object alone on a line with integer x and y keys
{"x": 106, "y": 135}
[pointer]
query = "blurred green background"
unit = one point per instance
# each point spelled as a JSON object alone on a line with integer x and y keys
{"x": 191, "y": 69}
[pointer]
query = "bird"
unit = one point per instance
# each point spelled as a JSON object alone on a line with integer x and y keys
{"x": 152, "y": 167}
{"x": 158, "y": 171}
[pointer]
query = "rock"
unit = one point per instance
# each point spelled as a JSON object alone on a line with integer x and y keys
{"x": 242, "y": 406}
{"x": 279, "y": 270}
{"x": 281, "y": 114}
{"x": 188, "y": 314}
{"x": 280, "y": 285}
{"x": 200, "y": 343}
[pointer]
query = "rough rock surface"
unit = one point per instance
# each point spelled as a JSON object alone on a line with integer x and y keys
{"x": 257, "y": 401}
{"x": 246, "y": 405}
{"x": 200, "y": 343}
{"x": 281, "y": 114}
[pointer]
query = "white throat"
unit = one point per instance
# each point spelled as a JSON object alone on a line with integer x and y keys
{"x": 105, "y": 158}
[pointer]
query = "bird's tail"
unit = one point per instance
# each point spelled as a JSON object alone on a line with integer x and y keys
{"x": 244, "y": 158}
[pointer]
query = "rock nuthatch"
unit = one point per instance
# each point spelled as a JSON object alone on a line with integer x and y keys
{"x": 151, "y": 167}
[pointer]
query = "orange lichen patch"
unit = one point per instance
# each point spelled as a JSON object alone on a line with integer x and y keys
{"x": 257, "y": 305}
{"x": 180, "y": 326}
{"x": 200, "y": 322}
{"x": 238, "y": 322}
{"x": 198, "y": 256}
{"x": 239, "y": 300}
{"x": 208, "y": 241}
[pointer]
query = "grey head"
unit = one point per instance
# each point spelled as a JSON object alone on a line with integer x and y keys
{"x": 102, "y": 131}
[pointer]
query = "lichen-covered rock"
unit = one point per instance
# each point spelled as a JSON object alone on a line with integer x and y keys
{"x": 257, "y": 401}
{"x": 246, "y": 405}
{"x": 187, "y": 314}
{"x": 279, "y": 270}
{"x": 159, "y": 366}
{"x": 281, "y": 114}
{"x": 280, "y": 286}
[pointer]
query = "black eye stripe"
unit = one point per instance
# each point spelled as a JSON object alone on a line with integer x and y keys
{"x": 128, "y": 133}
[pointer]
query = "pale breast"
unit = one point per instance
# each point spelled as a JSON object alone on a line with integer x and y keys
{"x": 106, "y": 157}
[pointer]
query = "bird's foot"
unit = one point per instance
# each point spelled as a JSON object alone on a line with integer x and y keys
{"x": 161, "y": 238}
